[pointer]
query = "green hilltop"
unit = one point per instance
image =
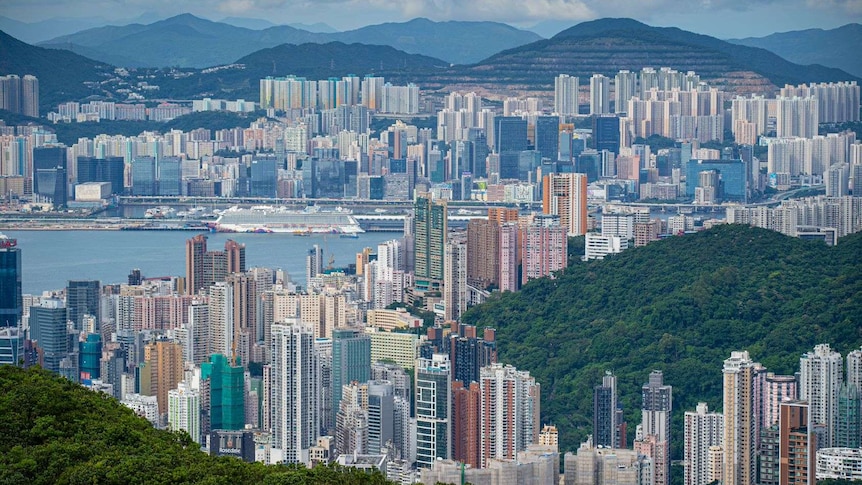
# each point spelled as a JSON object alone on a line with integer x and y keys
{"x": 679, "y": 305}
{"x": 58, "y": 432}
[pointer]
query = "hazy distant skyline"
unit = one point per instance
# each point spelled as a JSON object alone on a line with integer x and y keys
{"x": 719, "y": 18}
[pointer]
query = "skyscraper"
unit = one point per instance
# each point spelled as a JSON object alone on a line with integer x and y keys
{"x": 820, "y": 376}
{"x": 600, "y": 95}
{"x": 144, "y": 178}
{"x": 108, "y": 169}
{"x": 49, "y": 173}
{"x": 797, "y": 444}
{"x": 606, "y": 419}
{"x": 510, "y": 135}
{"x": 545, "y": 248}
{"x": 433, "y": 410}
{"x": 565, "y": 195}
{"x": 82, "y": 298}
{"x": 625, "y": 84}
{"x": 740, "y": 425}
{"x": 294, "y": 398}
{"x": 351, "y": 361}
{"x": 509, "y": 412}
{"x": 48, "y": 330}
{"x": 848, "y": 432}
{"x": 225, "y": 383}
{"x": 20, "y": 95}
{"x": 566, "y": 95}
{"x": 11, "y": 302}
{"x": 205, "y": 268}
{"x": 466, "y": 419}
{"x": 164, "y": 361}
{"x": 455, "y": 279}
{"x": 606, "y": 133}
{"x": 431, "y": 230}
{"x": 547, "y": 136}
{"x": 483, "y": 246}
{"x": 703, "y": 430}
{"x": 184, "y": 410}
{"x": 171, "y": 177}
{"x": 655, "y": 421}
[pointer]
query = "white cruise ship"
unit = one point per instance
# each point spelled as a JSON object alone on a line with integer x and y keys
{"x": 280, "y": 219}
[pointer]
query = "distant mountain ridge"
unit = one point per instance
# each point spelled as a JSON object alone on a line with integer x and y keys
{"x": 62, "y": 75}
{"x": 837, "y": 48}
{"x": 608, "y": 45}
{"x": 189, "y": 41}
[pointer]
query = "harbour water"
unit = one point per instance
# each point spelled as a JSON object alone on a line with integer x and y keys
{"x": 51, "y": 258}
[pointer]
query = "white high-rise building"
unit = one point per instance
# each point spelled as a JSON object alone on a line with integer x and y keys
{"x": 221, "y": 325}
{"x": 433, "y": 410}
{"x": 703, "y": 429}
{"x": 820, "y": 377}
{"x": 740, "y": 423}
{"x": 796, "y": 117}
{"x": 600, "y": 95}
{"x": 854, "y": 368}
{"x": 566, "y": 95}
{"x": 455, "y": 279}
{"x": 509, "y": 415}
{"x": 625, "y": 86}
{"x": 295, "y": 393}
{"x": 184, "y": 410}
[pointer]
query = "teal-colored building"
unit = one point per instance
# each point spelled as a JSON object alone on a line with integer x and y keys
{"x": 227, "y": 393}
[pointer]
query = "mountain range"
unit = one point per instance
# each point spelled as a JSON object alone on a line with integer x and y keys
{"x": 836, "y": 47}
{"x": 607, "y": 45}
{"x": 63, "y": 76}
{"x": 189, "y": 41}
{"x": 601, "y": 46}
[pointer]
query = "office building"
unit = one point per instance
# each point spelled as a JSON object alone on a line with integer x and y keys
{"x": 108, "y": 169}
{"x": 430, "y": 232}
{"x": 566, "y": 95}
{"x": 703, "y": 430}
{"x": 144, "y": 176}
{"x": 184, "y": 410}
{"x": 295, "y": 393}
{"x": 509, "y": 412}
{"x": 510, "y": 136}
{"x": 565, "y": 195}
{"x": 49, "y": 174}
{"x": 82, "y": 299}
{"x": 606, "y": 133}
{"x": 351, "y": 361}
{"x": 740, "y": 422}
{"x": 224, "y": 384}
{"x": 547, "y": 136}
{"x": 820, "y": 377}
{"x": 433, "y": 385}
{"x": 170, "y": 180}
{"x": 732, "y": 184}
{"x": 11, "y": 300}
{"x": 600, "y": 94}
{"x": 381, "y": 416}
{"x": 49, "y": 332}
{"x": 797, "y": 445}
{"x": 655, "y": 421}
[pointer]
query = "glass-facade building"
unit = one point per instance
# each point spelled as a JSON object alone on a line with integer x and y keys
{"x": 731, "y": 174}
{"x": 10, "y": 283}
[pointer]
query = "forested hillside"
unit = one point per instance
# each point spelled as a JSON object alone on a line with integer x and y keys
{"x": 58, "y": 432}
{"x": 680, "y": 305}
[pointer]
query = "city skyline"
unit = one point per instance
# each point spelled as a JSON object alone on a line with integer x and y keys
{"x": 730, "y": 19}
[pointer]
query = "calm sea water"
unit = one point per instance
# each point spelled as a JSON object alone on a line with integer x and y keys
{"x": 51, "y": 258}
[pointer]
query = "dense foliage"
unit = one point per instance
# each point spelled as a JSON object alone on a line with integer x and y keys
{"x": 56, "y": 432}
{"x": 679, "y": 305}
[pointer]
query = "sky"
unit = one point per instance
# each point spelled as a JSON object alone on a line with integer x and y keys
{"x": 719, "y": 18}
